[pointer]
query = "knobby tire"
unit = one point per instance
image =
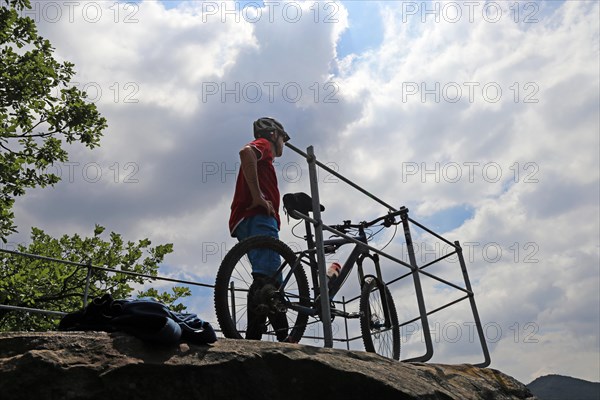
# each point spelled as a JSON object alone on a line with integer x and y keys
{"x": 236, "y": 268}
{"x": 377, "y": 338}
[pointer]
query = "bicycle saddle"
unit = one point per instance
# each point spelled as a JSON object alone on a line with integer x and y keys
{"x": 300, "y": 202}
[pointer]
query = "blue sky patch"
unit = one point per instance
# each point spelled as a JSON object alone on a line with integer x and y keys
{"x": 365, "y": 29}
{"x": 448, "y": 219}
{"x": 170, "y": 3}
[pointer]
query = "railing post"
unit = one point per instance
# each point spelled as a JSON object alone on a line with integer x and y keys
{"x": 484, "y": 348}
{"x": 418, "y": 290}
{"x": 323, "y": 287}
{"x": 346, "y": 323}
{"x": 87, "y": 284}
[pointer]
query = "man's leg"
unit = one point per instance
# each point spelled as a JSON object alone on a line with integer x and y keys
{"x": 263, "y": 303}
{"x": 256, "y": 318}
{"x": 255, "y": 321}
{"x": 280, "y": 324}
{"x": 264, "y": 265}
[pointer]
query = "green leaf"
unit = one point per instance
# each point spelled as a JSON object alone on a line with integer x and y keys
{"x": 34, "y": 123}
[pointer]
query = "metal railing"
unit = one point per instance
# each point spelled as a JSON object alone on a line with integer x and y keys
{"x": 90, "y": 268}
{"x": 415, "y": 270}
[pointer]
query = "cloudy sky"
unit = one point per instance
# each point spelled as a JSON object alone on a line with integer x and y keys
{"x": 481, "y": 117}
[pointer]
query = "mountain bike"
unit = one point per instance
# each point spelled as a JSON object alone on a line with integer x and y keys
{"x": 377, "y": 313}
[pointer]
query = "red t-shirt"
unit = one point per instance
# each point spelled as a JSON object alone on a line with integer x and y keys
{"x": 267, "y": 181}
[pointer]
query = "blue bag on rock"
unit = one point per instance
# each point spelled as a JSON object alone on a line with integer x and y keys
{"x": 147, "y": 319}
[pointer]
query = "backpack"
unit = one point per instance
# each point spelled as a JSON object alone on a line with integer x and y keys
{"x": 147, "y": 319}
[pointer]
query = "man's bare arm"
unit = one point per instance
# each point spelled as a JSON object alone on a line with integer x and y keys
{"x": 249, "y": 161}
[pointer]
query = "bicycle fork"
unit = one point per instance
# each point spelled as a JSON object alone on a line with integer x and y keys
{"x": 380, "y": 284}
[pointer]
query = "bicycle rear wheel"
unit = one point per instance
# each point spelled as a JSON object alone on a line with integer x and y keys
{"x": 380, "y": 330}
{"x": 233, "y": 283}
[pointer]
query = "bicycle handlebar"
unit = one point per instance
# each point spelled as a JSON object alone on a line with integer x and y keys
{"x": 389, "y": 220}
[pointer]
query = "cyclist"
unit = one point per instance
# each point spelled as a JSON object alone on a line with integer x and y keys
{"x": 255, "y": 211}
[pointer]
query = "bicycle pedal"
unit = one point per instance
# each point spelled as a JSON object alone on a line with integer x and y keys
{"x": 278, "y": 305}
{"x": 340, "y": 313}
{"x": 337, "y": 313}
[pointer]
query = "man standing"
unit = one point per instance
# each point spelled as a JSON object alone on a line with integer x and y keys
{"x": 255, "y": 211}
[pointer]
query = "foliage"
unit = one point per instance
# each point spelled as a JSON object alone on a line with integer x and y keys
{"x": 43, "y": 284}
{"x": 38, "y": 110}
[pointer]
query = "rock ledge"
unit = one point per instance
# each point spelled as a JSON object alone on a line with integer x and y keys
{"x": 98, "y": 365}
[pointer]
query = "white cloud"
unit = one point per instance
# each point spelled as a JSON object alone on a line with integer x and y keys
{"x": 386, "y": 132}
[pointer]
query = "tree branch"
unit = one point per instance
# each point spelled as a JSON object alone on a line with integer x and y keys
{"x": 41, "y": 121}
{"x": 58, "y": 296}
{"x": 7, "y": 149}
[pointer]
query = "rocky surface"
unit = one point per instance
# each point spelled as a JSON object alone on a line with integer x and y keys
{"x": 97, "y": 365}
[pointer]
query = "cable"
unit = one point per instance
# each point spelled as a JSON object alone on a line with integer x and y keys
{"x": 393, "y": 236}
{"x": 294, "y": 227}
{"x": 373, "y": 234}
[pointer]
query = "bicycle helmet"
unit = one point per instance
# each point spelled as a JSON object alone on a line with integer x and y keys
{"x": 265, "y": 125}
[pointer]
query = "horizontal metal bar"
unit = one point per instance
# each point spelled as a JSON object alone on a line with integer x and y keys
{"x": 343, "y": 178}
{"x": 448, "y": 305}
{"x": 434, "y": 311}
{"x": 321, "y": 338}
{"x": 445, "y": 282}
{"x": 399, "y": 278}
{"x": 153, "y": 277}
{"x": 18, "y": 253}
{"x": 409, "y": 321}
{"x": 50, "y": 259}
{"x": 439, "y": 259}
{"x": 407, "y": 275}
{"x": 353, "y": 240}
{"x": 431, "y": 232}
{"x": 33, "y": 310}
{"x": 354, "y": 338}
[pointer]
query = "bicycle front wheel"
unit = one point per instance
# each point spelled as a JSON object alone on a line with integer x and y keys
{"x": 233, "y": 284}
{"x": 379, "y": 320}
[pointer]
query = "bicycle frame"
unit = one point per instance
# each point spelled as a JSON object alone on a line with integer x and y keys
{"x": 356, "y": 257}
